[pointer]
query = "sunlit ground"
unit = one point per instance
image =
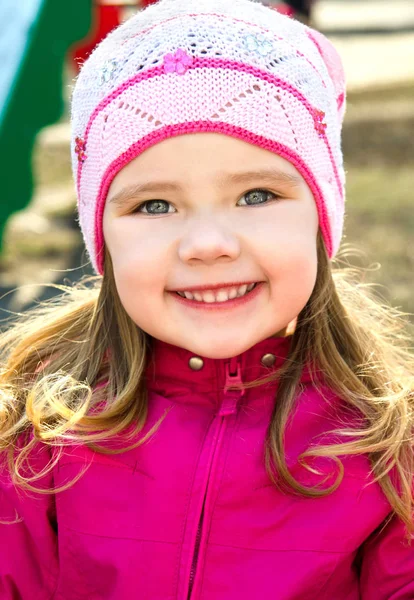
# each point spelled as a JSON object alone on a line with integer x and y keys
{"x": 379, "y": 159}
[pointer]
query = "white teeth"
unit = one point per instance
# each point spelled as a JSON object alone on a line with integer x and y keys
{"x": 208, "y": 297}
{"x": 220, "y": 295}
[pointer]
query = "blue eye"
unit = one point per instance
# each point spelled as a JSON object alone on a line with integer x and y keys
{"x": 258, "y": 196}
{"x": 154, "y": 207}
{"x": 162, "y": 207}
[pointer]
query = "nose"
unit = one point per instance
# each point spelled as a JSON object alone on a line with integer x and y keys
{"x": 208, "y": 241}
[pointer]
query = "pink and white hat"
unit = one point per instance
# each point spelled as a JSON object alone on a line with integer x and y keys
{"x": 234, "y": 67}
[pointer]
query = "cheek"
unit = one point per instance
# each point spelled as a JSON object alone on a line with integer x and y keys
{"x": 289, "y": 226}
{"x": 137, "y": 255}
{"x": 291, "y": 266}
{"x": 140, "y": 270}
{"x": 140, "y": 291}
{"x": 299, "y": 274}
{"x": 137, "y": 277}
{"x": 299, "y": 282}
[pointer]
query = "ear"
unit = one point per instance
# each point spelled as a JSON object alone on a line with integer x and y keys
{"x": 334, "y": 65}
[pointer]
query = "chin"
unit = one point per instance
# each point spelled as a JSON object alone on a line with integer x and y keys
{"x": 220, "y": 350}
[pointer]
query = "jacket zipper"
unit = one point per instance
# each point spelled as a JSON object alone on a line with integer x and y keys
{"x": 196, "y": 551}
{"x": 228, "y": 407}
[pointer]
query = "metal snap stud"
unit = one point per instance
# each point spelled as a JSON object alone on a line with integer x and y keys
{"x": 268, "y": 360}
{"x": 196, "y": 363}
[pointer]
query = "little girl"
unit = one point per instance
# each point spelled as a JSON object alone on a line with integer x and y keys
{"x": 219, "y": 415}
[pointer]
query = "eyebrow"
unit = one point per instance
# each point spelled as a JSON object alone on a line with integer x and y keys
{"x": 269, "y": 176}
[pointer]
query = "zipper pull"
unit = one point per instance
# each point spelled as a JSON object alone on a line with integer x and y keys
{"x": 233, "y": 388}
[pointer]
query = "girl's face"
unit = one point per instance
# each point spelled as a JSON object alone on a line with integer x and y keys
{"x": 207, "y": 209}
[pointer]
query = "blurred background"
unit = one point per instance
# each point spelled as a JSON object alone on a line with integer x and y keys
{"x": 42, "y": 43}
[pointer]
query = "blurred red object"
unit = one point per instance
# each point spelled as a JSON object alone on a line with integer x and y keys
{"x": 105, "y": 18}
{"x": 285, "y": 9}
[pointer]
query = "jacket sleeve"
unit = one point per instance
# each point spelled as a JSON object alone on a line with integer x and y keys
{"x": 387, "y": 568}
{"x": 28, "y": 540}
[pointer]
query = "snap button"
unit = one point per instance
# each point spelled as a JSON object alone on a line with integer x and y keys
{"x": 196, "y": 363}
{"x": 268, "y": 360}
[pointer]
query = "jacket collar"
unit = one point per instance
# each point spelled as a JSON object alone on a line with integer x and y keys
{"x": 171, "y": 371}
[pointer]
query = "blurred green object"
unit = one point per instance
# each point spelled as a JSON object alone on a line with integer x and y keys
{"x": 34, "y": 40}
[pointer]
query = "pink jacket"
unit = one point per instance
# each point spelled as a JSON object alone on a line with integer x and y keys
{"x": 192, "y": 512}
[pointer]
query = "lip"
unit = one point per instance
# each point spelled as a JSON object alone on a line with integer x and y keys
{"x": 228, "y": 305}
{"x": 216, "y": 286}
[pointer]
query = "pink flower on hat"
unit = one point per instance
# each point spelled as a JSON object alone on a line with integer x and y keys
{"x": 80, "y": 149}
{"x": 178, "y": 62}
{"x": 320, "y": 126}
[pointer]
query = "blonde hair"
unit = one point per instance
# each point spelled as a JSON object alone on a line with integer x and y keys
{"x": 58, "y": 381}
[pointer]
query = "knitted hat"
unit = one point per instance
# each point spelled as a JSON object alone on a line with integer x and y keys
{"x": 234, "y": 67}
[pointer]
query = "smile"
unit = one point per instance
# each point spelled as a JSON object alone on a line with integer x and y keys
{"x": 218, "y": 295}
